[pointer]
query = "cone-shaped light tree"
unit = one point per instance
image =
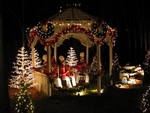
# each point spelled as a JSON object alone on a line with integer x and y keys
{"x": 146, "y": 67}
{"x": 115, "y": 69}
{"x": 24, "y": 101}
{"x": 145, "y": 106}
{"x": 22, "y": 70}
{"x": 37, "y": 59}
{"x": 93, "y": 66}
{"x": 71, "y": 59}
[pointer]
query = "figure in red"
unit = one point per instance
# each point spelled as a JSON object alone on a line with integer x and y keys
{"x": 64, "y": 71}
{"x": 72, "y": 75}
{"x": 54, "y": 70}
{"x": 55, "y": 73}
{"x": 81, "y": 69}
{"x": 54, "y": 65}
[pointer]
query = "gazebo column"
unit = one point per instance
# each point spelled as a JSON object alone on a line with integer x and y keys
{"x": 98, "y": 68}
{"x": 87, "y": 55}
{"x": 55, "y": 52}
{"x": 49, "y": 90}
{"x": 110, "y": 61}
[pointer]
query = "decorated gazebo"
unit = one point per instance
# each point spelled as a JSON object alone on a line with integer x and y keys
{"x": 77, "y": 24}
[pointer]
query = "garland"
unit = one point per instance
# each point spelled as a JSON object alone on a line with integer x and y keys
{"x": 41, "y": 36}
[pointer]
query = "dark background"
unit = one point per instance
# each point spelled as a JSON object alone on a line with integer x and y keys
{"x": 131, "y": 18}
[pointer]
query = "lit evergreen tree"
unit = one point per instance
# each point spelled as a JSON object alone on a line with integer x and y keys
{"x": 146, "y": 67}
{"x": 71, "y": 59}
{"x": 93, "y": 66}
{"x": 115, "y": 60}
{"x": 145, "y": 106}
{"x": 37, "y": 60}
{"x": 24, "y": 101}
{"x": 115, "y": 69}
{"x": 22, "y": 68}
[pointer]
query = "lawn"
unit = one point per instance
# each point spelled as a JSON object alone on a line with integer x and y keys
{"x": 113, "y": 100}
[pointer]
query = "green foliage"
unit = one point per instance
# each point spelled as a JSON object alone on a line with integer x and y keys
{"x": 24, "y": 101}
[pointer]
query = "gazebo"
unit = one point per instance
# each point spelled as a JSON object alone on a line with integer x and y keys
{"x": 72, "y": 22}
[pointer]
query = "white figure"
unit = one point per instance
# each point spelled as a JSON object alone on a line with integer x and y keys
{"x": 57, "y": 82}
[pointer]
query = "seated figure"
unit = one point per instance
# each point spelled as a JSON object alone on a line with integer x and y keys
{"x": 72, "y": 76}
{"x": 57, "y": 80}
{"x": 54, "y": 70}
{"x": 64, "y": 72}
{"x": 81, "y": 69}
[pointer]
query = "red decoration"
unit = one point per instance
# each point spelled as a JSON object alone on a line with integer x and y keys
{"x": 73, "y": 27}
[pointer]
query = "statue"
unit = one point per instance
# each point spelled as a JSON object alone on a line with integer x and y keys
{"x": 54, "y": 70}
{"x": 64, "y": 71}
{"x": 81, "y": 69}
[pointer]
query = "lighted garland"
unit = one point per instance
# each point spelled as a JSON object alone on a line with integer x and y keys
{"x": 27, "y": 33}
{"x": 30, "y": 36}
{"x": 54, "y": 39}
{"x": 70, "y": 28}
{"x": 114, "y": 35}
{"x": 45, "y": 30}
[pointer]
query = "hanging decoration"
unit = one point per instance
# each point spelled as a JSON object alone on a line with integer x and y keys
{"x": 96, "y": 31}
{"x": 45, "y": 30}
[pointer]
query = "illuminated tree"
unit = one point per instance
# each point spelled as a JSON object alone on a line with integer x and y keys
{"x": 145, "y": 106}
{"x": 71, "y": 59}
{"x": 24, "y": 101}
{"x": 115, "y": 60}
{"x": 93, "y": 71}
{"x": 146, "y": 67}
{"x": 22, "y": 69}
{"x": 115, "y": 69}
{"x": 93, "y": 66}
{"x": 37, "y": 60}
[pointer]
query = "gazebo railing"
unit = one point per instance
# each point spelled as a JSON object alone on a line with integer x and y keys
{"x": 41, "y": 80}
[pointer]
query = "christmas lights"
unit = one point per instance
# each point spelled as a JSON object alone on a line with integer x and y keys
{"x": 71, "y": 59}
{"x": 22, "y": 70}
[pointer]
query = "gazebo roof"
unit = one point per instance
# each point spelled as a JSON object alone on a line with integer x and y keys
{"x": 72, "y": 22}
{"x": 69, "y": 17}
{"x": 72, "y": 14}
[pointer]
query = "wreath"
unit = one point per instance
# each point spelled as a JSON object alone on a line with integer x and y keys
{"x": 45, "y": 30}
{"x": 96, "y": 31}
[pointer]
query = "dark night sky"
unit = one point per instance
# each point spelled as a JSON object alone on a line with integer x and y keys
{"x": 125, "y": 15}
